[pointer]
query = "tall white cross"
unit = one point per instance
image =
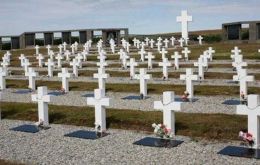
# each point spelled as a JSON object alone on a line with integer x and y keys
{"x": 159, "y": 44}
{"x": 176, "y": 58}
{"x": 189, "y": 77}
{"x": 168, "y": 105}
{"x": 143, "y": 77}
{"x": 67, "y": 54}
{"x": 132, "y": 64}
{"x": 147, "y": 41}
{"x": 243, "y": 78}
{"x": 101, "y": 76}
{"x": 210, "y": 52}
{"x": 3, "y": 74}
{"x": 100, "y": 102}
{"x": 184, "y": 19}
{"x": 43, "y": 99}
{"x": 31, "y": 74}
{"x": 253, "y": 113}
{"x": 165, "y": 64}
{"x": 50, "y": 64}
{"x": 186, "y": 53}
{"x": 236, "y": 51}
{"x": 150, "y": 57}
{"x": 65, "y": 75}
{"x": 5, "y": 64}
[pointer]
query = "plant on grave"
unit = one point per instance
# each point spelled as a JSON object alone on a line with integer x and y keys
{"x": 247, "y": 138}
{"x": 162, "y": 131}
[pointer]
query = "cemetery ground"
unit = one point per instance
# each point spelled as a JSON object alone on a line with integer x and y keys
{"x": 204, "y": 131}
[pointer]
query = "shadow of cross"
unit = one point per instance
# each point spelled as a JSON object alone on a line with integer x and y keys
{"x": 253, "y": 113}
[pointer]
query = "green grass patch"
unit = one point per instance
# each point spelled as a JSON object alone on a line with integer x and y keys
{"x": 209, "y": 126}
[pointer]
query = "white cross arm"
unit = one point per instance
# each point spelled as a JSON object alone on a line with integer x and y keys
{"x": 45, "y": 98}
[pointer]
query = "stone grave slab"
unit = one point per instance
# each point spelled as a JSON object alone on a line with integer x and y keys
{"x": 240, "y": 152}
{"x": 158, "y": 142}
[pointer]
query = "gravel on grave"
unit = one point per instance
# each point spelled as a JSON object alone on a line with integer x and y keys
{"x": 51, "y": 147}
{"x": 119, "y": 100}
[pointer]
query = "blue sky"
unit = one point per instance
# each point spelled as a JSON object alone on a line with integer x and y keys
{"x": 140, "y": 16}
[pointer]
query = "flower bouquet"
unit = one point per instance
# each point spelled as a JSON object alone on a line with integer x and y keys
{"x": 162, "y": 131}
{"x": 247, "y": 138}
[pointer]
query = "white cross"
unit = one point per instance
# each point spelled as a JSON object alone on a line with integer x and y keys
{"x": 100, "y": 102}
{"x": 124, "y": 60}
{"x": 132, "y": 65}
{"x": 102, "y": 63}
{"x": 210, "y": 52}
{"x": 40, "y": 59}
{"x": 200, "y": 64}
{"x": 152, "y": 42}
{"x": 3, "y": 74}
{"x": 37, "y": 50}
{"x": 142, "y": 54}
{"x": 31, "y": 74}
{"x": 59, "y": 57}
{"x": 26, "y": 64}
{"x": 150, "y": 57}
{"x": 147, "y": 41}
{"x": 60, "y": 48}
{"x": 42, "y": 98}
{"x": 205, "y": 57}
{"x": 243, "y": 78}
{"x": 165, "y": 64}
{"x": 64, "y": 46}
{"x": 101, "y": 76}
{"x": 200, "y": 38}
{"x": 22, "y": 58}
{"x": 74, "y": 65}
{"x": 238, "y": 63}
{"x": 72, "y": 49}
{"x": 51, "y": 54}
{"x": 134, "y": 41}
{"x": 181, "y": 40}
{"x": 176, "y": 57}
{"x": 48, "y": 47}
{"x": 142, "y": 45}
{"x": 173, "y": 40}
{"x": 5, "y": 64}
{"x": 186, "y": 53}
{"x": 189, "y": 78}
{"x": 84, "y": 54}
{"x": 50, "y": 65}
{"x": 79, "y": 58}
{"x": 168, "y": 105}
{"x": 236, "y": 51}
{"x": 112, "y": 46}
{"x": 138, "y": 44}
{"x": 121, "y": 53}
{"x": 184, "y": 19}
{"x": 67, "y": 54}
{"x": 86, "y": 46}
{"x": 163, "y": 52}
{"x": 65, "y": 75}
{"x": 127, "y": 47}
{"x": 76, "y": 46}
{"x": 159, "y": 44}
{"x": 159, "y": 39}
{"x": 253, "y": 113}
{"x": 143, "y": 77}
{"x": 166, "y": 41}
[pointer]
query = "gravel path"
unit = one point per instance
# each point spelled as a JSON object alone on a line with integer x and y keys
{"x": 51, "y": 147}
{"x": 215, "y": 104}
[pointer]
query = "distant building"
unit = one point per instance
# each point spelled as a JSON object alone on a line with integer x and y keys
{"x": 29, "y": 39}
{"x": 248, "y": 31}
